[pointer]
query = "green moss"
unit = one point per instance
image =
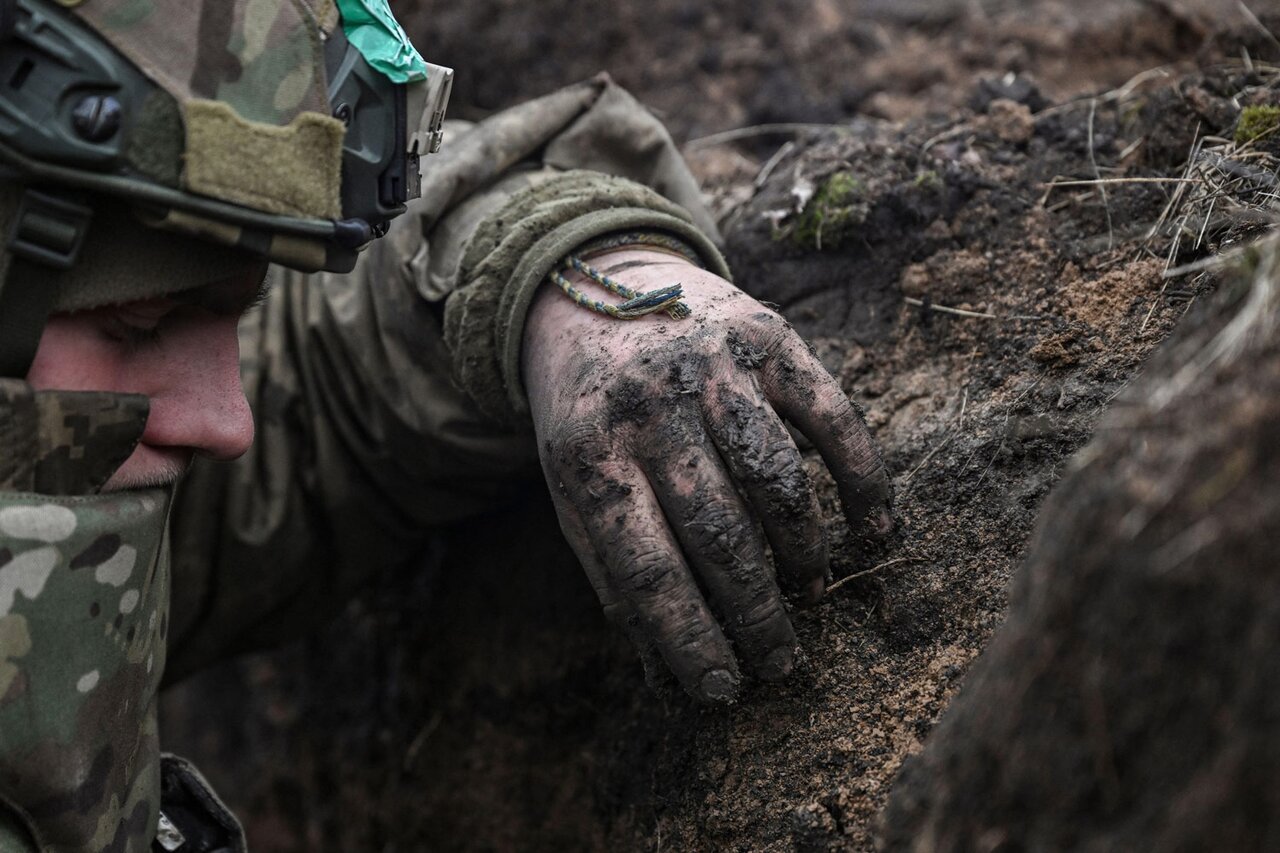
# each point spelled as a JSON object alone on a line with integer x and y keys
{"x": 929, "y": 180}
{"x": 1257, "y": 122}
{"x": 831, "y": 217}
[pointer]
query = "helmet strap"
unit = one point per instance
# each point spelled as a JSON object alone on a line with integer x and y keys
{"x": 46, "y": 237}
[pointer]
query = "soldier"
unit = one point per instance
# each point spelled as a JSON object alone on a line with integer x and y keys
{"x": 154, "y": 157}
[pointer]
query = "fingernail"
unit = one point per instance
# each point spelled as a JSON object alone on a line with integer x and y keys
{"x": 777, "y": 664}
{"x": 719, "y": 685}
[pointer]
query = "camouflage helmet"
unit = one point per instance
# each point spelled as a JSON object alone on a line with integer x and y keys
{"x": 285, "y": 129}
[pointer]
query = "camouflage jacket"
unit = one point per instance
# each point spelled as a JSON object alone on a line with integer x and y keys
{"x": 365, "y": 447}
{"x": 365, "y": 443}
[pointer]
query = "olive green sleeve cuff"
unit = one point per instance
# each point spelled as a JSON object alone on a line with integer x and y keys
{"x": 512, "y": 252}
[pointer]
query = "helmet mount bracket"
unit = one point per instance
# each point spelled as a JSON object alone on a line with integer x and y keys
{"x": 46, "y": 236}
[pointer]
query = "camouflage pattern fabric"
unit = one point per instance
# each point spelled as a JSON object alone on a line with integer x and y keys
{"x": 65, "y": 443}
{"x": 264, "y": 58}
{"x": 84, "y": 592}
{"x": 83, "y": 616}
{"x": 249, "y": 80}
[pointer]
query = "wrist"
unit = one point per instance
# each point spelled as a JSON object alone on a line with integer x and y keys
{"x": 641, "y": 268}
{"x": 555, "y": 320}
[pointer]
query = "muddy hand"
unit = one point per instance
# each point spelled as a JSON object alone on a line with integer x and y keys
{"x": 664, "y": 444}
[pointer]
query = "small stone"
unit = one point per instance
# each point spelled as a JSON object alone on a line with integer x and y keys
{"x": 1011, "y": 121}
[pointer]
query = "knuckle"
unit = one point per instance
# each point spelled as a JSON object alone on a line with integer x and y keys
{"x": 783, "y": 466}
{"x": 764, "y": 611}
{"x": 645, "y": 568}
{"x": 767, "y": 321}
{"x": 719, "y": 532}
{"x": 577, "y": 441}
{"x": 845, "y": 420}
{"x": 778, "y": 336}
{"x": 850, "y": 433}
{"x": 692, "y": 637}
{"x": 630, "y": 401}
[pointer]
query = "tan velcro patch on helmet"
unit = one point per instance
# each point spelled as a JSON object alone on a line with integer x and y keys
{"x": 295, "y": 170}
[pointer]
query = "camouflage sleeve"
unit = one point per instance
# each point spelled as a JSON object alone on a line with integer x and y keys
{"x": 365, "y": 444}
{"x": 511, "y": 254}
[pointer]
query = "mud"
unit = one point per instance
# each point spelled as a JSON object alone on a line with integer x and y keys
{"x": 496, "y": 710}
{"x": 745, "y": 354}
{"x": 710, "y": 66}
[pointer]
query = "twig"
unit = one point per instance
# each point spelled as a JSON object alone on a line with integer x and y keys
{"x": 959, "y": 129}
{"x": 1114, "y": 96}
{"x": 844, "y": 580}
{"x": 411, "y": 754}
{"x": 943, "y": 309}
{"x": 1205, "y": 227}
{"x": 1102, "y": 187}
{"x": 1131, "y": 147}
{"x": 1094, "y": 183}
{"x": 1134, "y": 82}
{"x": 1176, "y": 199}
{"x": 1213, "y": 262}
{"x": 758, "y": 130}
{"x": 772, "y": 163}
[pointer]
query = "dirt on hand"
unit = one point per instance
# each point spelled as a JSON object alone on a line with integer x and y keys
{"x": 978, "y": 290}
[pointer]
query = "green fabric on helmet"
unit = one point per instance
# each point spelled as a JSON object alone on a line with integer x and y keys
{"x": 370, "y": 26}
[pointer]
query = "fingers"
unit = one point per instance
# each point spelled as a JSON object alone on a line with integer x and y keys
{"x": 764, "y": 460}
{"x": 616, "y": 610}
{"x": 644, "y": 570}
{"x": 720, "y": 539}
{"x": 811, "y": 399}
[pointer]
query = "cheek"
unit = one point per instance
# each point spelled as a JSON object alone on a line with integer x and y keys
{"x": 74, "y": 356}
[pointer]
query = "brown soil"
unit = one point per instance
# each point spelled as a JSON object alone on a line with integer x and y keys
{"x": 718, "y": 64}
{"x": 1127, "y": 703}
{"x": 483, "y": 704}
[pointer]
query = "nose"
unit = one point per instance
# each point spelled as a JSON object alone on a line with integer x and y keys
{"x": 197, "y": 399}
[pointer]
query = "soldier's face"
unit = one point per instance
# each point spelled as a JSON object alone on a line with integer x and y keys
{"x": 181, "y": 351}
